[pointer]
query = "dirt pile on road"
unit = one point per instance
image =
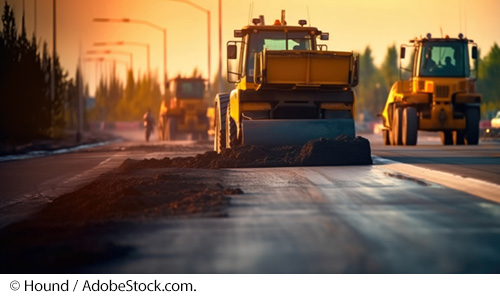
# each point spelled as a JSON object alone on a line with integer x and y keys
{"x": 142, "y": 193}
{"x": 321, "y": 152}
{"x": 85, "y": 227}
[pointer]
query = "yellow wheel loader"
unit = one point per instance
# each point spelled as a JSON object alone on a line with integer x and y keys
{"x": 187, "y": 111}
{"x": 439, "y": 96}
{"x": 289, "y": 90}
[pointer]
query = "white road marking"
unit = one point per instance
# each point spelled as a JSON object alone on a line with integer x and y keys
{"x": 475, "y": 187}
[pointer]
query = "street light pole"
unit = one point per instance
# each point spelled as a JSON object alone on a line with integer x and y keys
{"x": 102, "y": 59}
{"x": 163, "y": 30}
{"x": 208, "y": 36}
{"x": 110, "y": 52}
{"x": 35, "y": 18}
{"x": 220, "y": 46}
{"x": 52, "y": 73}
{"x": 124, "y": 43}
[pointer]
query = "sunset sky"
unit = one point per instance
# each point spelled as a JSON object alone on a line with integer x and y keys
{"x": 352, "y": 25}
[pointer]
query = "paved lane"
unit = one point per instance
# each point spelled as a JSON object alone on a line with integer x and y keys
{"x": 363, "y": 219}
{"x": 481, "y": 162}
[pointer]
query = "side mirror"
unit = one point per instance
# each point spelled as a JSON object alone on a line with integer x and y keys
{"x": 232, "y": 51}
{"x": 238, "y": 33}
{"x": 474, "y": 52}
{"x": 402, "y": 52}
{"x": 355, "y": 77}
{"x": 324, "y": 36}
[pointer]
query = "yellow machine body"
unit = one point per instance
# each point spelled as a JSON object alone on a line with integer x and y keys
{"x": 289, "y": 89}
{"x": 439, "y": 96}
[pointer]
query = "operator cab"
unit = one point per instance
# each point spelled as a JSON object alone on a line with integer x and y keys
{"x": 188, "y": 88}
{"x": 443, "y": 57}
{"x": 259, "y": 37}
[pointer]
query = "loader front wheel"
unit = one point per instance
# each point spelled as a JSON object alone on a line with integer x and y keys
{"x": 396, "y": 127}
{"x": 231, "y": 131}
{"x": 458, "y": 138}
{"x": 386, "y": 139}
{"x": 171, "y": 129}
{"x": 409, "y": 127}
{"x": 221, "y": 102}
{"x": 472, "y": 126}
{"x": 446, "y": 138}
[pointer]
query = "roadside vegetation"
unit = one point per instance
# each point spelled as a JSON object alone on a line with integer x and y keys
{"x": 26, "y": 109}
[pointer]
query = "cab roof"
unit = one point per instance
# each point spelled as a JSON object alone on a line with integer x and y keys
{"x": 429, "y": 38}
{"x": 249, "y": 28}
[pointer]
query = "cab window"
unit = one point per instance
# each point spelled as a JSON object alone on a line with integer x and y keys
{"x": 275, "y": 41}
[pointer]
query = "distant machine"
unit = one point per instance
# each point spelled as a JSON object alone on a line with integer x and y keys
{"x": 439, "y": 96}
{"x": 186, "y": 110}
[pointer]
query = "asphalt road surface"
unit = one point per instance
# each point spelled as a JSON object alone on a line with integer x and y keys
{"x": 423, "y": 209}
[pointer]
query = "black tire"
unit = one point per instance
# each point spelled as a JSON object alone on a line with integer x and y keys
{"x": 458, "y": 138}
{"x": 446, "y": 138}
{"x": 396, "y": 127}
{"x": 204, "y": 135}
{"x": 231, "y": 131}
{"x": 171, "y": 129}
{"x": 409, "y": 126}
{"x": 221, "y": 102}
{"x": 472, "y": 126}
{"x": 386, "y": 139}
{"x": 162, "y": 128}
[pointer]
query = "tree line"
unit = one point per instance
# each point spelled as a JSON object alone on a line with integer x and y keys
{"x": 116, "y": 101}
{"x": 26, "y": 109}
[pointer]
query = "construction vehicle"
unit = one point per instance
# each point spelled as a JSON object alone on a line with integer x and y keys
{"x": 439, "y": 96}
{"x": 186, "y": 111}
{"x": 289, "y": 89}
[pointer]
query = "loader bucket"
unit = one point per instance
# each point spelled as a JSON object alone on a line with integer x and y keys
{"x": 285, "y": 132}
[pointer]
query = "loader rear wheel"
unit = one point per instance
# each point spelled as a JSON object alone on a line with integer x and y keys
{"x": 446, "y": 138}
{"x": 458, "y": 138}
{"x": 203, "y": 135}
{"x": 171, "y": 129}
{"x": 386, "y": 139}
{"x": 396, "y": 127}
{"x": 231, "y": 131}
{"x": 472, "y": 126}
{"x": 221, "y": 102}
{"x": 409, "y": 127}
{"x": 162, "y": 128}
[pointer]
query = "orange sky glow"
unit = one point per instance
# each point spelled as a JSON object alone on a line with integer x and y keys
{"x": 352, "y": 25}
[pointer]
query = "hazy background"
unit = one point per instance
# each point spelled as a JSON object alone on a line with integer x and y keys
{"x": 353, "y": 25}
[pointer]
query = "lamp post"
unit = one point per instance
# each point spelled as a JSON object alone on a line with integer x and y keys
{"x": 163, "y": 30}
{"x": 35, "y": 17}
{"x": 126, "y": 43}
{"x": 52, "y": 73}
{"x": 103, "y": 59}
{"x": 220, "y": 45}
{"x": 208, "y": 34}
{"x": 110, "y": 52}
